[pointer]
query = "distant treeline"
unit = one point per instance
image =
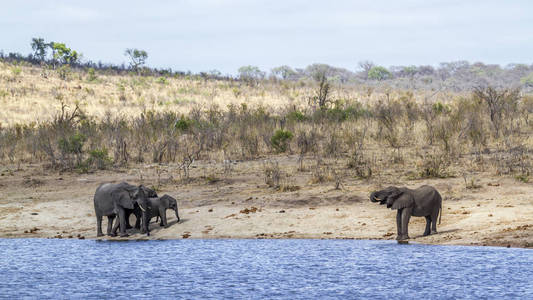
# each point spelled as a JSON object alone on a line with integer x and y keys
{"x": 455, "y": 76}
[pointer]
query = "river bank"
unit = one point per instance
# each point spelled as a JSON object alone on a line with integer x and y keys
{"x": 37, "y": 203}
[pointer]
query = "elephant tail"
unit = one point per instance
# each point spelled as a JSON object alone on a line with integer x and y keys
{"x": 440, "y": 215}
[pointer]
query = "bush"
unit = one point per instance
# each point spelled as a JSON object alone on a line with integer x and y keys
{"x": 64, "y": 72}
{"x": 296, "y": 116}
{"x": 162, "y": 80}
{"x": 183, "y": 124}
{"x": 434, "y": 166}
{"x": 72, "y": 144}
{"x": 280, "y": 140}
{"x": 92, "y": 75}
{"x": 99, "y": 159}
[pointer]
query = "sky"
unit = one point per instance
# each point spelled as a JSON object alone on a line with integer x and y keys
{"x": 204, "y": 35}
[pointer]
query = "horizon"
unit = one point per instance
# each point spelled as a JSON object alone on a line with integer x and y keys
{"x": 201, "y": 36}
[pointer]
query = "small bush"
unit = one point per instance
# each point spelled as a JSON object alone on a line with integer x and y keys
{"x": 91, "y": 75}
{"x": 72, "y": 144}
{"x": 272, "y": 174}
{"x": 280, "y": 140}
{"x": 99, "y": 159}
{"x": 183, "y": 124}
{"x": 434, "y": 166}
{"x": 162, "y": 80}
{"x": 64, "y": 72}
{"x": 296, "y": 116}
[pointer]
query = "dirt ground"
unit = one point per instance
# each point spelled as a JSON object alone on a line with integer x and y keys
{"x": 38, "y": 203}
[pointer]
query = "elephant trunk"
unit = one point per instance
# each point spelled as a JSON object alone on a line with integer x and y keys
{"x": 177, "y": 215}
{"x": 373, "y": 197}
{"x": 146, "y": 221}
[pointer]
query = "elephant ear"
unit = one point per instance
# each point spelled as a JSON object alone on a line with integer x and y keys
{"x": 403, "y": 201}
{"x": 122, "y": 198}
{"x": 148, "y": 192}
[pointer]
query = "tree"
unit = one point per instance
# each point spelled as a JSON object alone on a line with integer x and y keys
{"x": 137, "y": 58}
{"x": 379, "y": 73}
{"x": 250, "y": 74}
{"x": 64, "y": 54}
{"x": 527, "y": 80}
{"x": 285, "y": 72}
{"x": 498, "y": 101}
{"x": 366, "y": 65}
{"x": 39, "y": 48}
{"x": 320, "y": 76}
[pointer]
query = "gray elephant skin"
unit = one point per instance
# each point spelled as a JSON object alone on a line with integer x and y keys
{"x": 424, "y": 201}
{"x": 120, "y": 200}
{"x": 159, "y": 206}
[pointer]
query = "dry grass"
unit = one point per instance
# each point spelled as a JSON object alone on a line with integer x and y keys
{"x": 34, "y": 94}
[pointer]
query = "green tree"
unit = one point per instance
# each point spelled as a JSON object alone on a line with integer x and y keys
{"x": 137, "y": 58}
{"x": 285, "y": 72}
{"x": 39, "y": 48}
{"x": 63, "y": 54}
{"x": 379, "y": 73}
{"x": 250, "y": 74}
{"x": 527, "y": 80}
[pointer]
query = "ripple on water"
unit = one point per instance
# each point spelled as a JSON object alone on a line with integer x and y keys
{"x": 292, "y": 269}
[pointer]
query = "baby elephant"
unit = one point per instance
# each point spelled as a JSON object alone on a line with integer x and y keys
{"x": 159, "y": 206}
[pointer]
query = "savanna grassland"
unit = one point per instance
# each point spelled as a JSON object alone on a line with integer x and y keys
{"x": 263, "y": 158}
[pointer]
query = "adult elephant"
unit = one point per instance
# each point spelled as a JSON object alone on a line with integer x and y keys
{"x": 113, "y": 200}
{"x": 424, "y": 201}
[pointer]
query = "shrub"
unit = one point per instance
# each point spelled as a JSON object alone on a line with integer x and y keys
{"x": 183, "y": 124}
{"x": 92, "y": 75}
{"x": 280, "y": 140}
{"x": 272, "y": 173}
{"x": 64, "y": 72}
{"x": 434, "y": 166}
{"x": 72, "y": 144}
{"x": 296, "y": 116}
{"x": 162, "y": 80}
{"x": 99, "y": 159}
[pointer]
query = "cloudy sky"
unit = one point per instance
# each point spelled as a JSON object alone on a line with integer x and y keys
{"x": 201, "y": 35}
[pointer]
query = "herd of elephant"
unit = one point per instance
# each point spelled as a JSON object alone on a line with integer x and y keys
{"x": 124, "y": 199}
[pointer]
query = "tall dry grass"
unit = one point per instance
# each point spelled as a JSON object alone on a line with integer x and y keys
{"x": 81, "y": 121}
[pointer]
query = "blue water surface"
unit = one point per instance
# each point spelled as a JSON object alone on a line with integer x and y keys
{"x": 260, "y": 269}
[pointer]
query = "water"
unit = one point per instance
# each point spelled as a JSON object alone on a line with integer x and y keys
{"x": 253, "y": 269}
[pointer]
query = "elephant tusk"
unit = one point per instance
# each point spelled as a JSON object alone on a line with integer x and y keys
{"x": 377, "y": 198}
{"x": 142, "y": 208}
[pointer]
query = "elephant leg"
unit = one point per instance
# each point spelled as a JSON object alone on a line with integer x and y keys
{"x": 428, "y": 224}
{"x": 434, "y": 217}
{"x": 110, "y": 224}
{"x": 163, "y": 214}
{"x": 138, "y": 220}
{"x": 115, "y": 228}
{"x": 122, "y": 220}
{"x": 99, "y": 225}
{"x": 399, "y": 223}
{"x": 406, "y": 215}
{"x": 127, "y": 216}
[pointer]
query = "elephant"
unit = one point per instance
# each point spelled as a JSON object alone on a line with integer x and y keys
{"x": 424, "y": 201}
{"x": 113, "y": 200}
{"x": 158, "y": 207}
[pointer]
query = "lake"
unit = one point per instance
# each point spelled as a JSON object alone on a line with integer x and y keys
{"x": 253, "y": 269}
